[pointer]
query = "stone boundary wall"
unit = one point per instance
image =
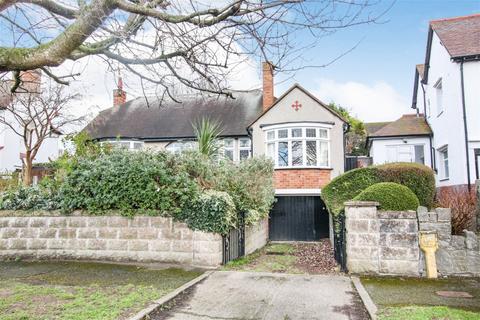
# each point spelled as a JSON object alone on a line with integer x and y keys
{"x": 110, "y": 238}
{"x": 381, "y": 242}
{"x": 387, "y": 242}
{"x": 256, "y": 236}
{"x": 456, "y": 255}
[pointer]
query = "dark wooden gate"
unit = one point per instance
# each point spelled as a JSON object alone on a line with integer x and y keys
{"x": 234, "y": 243}
{"x": 298, "y": 218}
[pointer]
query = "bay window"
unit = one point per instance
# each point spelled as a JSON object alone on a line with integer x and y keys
{"x": 298, "y": 146}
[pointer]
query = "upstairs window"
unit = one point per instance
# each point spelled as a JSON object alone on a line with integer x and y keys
{"x": 444, "y": 166}
{"x": 237, "y": 149}
{"x": 298, "y": 147}
{"x": 439, "y": 95}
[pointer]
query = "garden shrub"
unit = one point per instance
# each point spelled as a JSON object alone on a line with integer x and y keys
{"x": 29, "y": 198}
{"x": 391, "y": 196}
{"x": 418, "y": 178}
{"x": 212, "y": 211}
{"x": 127, "y": 181}
{"x": 190, "y": 187}
{"x": 463, "y": 204}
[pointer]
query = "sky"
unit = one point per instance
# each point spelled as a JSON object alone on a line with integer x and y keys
{"x": 374, "y": 81}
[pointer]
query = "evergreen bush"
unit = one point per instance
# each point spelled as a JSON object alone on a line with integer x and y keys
{"x": 391, "y": 196}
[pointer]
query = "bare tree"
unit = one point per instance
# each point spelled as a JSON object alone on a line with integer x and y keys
{"x": 34, "y": 117}
{"x": 191, "y": 42}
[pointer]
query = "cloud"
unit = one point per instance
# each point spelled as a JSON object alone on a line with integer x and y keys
{"x": 370, "y": 103}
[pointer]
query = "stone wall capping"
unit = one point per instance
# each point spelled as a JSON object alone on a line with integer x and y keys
{"x": 361, "y": 204}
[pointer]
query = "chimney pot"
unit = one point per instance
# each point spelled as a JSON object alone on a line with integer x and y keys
{"x": 119, "y": 96}
{"x": 268, "y": 96}
{"x": 31, "y": 80}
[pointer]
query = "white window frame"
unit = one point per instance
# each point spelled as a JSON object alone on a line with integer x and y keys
{"x": 444, "y": 163}
{"x": 439, "y": 96}
{"x": 412, "y": 146}
{"x": 304, "y": 139}
{"x": 131, "y": 144}
{"x": 247, "y": 148}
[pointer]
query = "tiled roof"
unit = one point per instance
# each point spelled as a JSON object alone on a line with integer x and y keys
{"x": 372, "y": 127}
{"x": 407, "y": 125}
{"x": 165, "y": 120}
{"x": 460, "y": 35}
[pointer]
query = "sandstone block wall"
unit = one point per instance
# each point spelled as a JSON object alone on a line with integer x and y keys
{"x": 456, "y": 254}
{"x": 387, "y": 242}
{"x": 113, "y": 238}
{"x": 381, "y": 242}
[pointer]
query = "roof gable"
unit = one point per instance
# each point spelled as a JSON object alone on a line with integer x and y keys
{"x": 460, "y": 35}
{"x": 306, "y": 92}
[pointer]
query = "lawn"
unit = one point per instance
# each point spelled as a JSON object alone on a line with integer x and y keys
{"x": 316, "y": 257}
{"x": 78, "y": 291}
{"x": 416, "y": 299}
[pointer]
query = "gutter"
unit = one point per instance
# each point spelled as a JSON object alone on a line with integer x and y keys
{"x": 465, "y": 126}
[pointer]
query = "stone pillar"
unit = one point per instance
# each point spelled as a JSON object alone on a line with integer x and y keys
{"x": 362, "y": 236}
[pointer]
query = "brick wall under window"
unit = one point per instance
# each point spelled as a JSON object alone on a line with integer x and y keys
{"x": 301, "y": 178}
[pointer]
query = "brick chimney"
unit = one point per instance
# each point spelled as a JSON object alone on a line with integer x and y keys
{"x": 268, "y": 97}
{"x": 31, "y": 81}
{"x": 119, "y": 96}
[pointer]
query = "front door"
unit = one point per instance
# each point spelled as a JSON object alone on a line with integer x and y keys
{"x": 298, "y": 218}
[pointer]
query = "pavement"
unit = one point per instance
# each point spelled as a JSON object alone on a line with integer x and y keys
{"x": 237, "y": 295}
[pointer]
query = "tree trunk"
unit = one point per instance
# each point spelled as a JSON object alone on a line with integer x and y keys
{"x": 27, "y": 170}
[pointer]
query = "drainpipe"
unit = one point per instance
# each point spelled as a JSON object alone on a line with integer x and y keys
{"x": 465, "y": 128}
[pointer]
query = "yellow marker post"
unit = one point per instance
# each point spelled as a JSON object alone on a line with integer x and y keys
{"x": 429, "y": 244}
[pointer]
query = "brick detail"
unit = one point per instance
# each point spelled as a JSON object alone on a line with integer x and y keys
{"x": 301, "y": 178}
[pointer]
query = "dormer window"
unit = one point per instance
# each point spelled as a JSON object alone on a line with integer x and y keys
{"x": 439, "y": 95}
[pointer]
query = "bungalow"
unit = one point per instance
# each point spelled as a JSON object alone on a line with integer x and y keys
{"x": 302, "y": 135}
{"x": 407, "y": 139}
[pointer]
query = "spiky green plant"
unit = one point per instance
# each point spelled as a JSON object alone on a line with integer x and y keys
{"x": 207, "y": 132}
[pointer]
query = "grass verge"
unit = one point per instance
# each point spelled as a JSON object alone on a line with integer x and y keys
{"x": 81, "y": 291}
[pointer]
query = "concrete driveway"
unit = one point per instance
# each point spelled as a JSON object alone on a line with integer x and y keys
{"x": 268, "y": 296}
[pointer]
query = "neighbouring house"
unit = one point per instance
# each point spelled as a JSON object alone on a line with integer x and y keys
{"x": 407, "y": 139}
{"x": 12, "y": 148}
{"x": 302, "y": 135}
{"x": 447, "y": 92}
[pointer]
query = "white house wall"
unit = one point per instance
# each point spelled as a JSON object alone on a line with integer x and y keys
{"x": 379, "y": 154}
{"x": 448, "y": 125}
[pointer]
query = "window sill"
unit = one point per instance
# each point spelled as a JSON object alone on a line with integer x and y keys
{"x": 444, "y": 179}
{"x": 303, "y": 168}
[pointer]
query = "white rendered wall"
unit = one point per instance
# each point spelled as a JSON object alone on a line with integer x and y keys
{"x": 379, "y": 154}
{"x": 447, "y": 126}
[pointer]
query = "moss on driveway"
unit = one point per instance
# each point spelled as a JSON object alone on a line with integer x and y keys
{"x": 412, "y": 298}
{"x": 77, "y": 291}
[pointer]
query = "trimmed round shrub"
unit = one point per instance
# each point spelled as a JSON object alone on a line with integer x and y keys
{"x": 212, "y": 211}
{"x": 419, "y": 178}
{"x": 391, "y": 196}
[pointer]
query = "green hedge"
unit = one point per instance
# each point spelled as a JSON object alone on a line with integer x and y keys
{"x": 190, "y": 187}
{"x": 419, "y": 178}
{"x": 391, "y": 196}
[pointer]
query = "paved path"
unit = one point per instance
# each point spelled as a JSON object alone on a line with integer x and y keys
{"x": 268, "y": 296}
